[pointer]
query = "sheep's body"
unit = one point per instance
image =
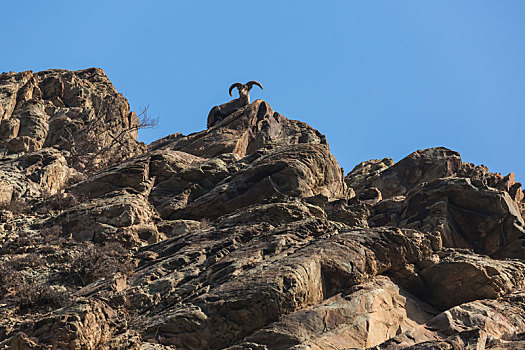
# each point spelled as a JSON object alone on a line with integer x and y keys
{"x": 218, "y": 113}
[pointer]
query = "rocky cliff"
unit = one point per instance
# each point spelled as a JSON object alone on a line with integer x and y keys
{"x": 246, "y": 235}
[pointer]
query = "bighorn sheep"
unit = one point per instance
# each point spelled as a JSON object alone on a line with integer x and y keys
{"x": 218, "y": 113}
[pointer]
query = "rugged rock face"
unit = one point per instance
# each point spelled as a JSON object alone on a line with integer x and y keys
{"x": 243, "y": 236}
{"x": 78, "y": 112}
{"x": 253, "y": 127}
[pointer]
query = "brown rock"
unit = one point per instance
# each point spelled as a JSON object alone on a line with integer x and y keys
{"x": 481, "y": 177}
{"x": 484, "y": 219}
{"x": 43, "y": 172}
{"x": 298, "y": 171}
{"x": 242, "y": 236}
{"x": 6, "y": 191}
{"x": 50, "y": 109}
{"x": 245, "y": 290}
{"x": 10, "y": 83}
{"x": 420, "y": 166}
{"x": 366, "y": 170}
{"x": 387, "y": 212}
{"x": 247, "y": 130}
{"x": 275, "y": 214}
{"x": 365, "y": 316}
{"x": 23, "y": 144}
{"x": 166, "y": 163}
{"x": 513, "y": 188}
{"x": 177, "y": 228}
{"x": 119, "y": 217}
{"x": 131, "y": 176}
{"x": 22, "y": 342}
{"x": 9, "y": 129}
{"x": 370, "y": 195}
{"x": 48, "y": 168}
{"x": 490, "y": 324}
{"x": 179, "y": 183}
{"x": 460, "y": 278}
{"x": 84, "y": 326}
{"x": 350, "y": 212}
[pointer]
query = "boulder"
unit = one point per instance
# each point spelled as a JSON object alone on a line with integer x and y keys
{"x": 482, "y": 324}
{"x": 395, "y": 180}
{"x": 462, "y": 277}
{"x": 78, "y": 111}
{"x": 84, "y": 326}
{"x": 484, "y": 219}
{"x": 297, "y": 171}
{"x": 121, "y": 217}
{"x": 364, "y": 316}
{"x": 252, "y": 127}
{"x": 40, "y": 173}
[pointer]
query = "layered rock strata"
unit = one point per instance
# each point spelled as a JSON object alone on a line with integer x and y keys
{"x": 246, "y": 235}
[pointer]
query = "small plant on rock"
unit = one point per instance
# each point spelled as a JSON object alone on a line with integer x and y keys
{"x": 28, "y": 293}
{"x": 16, "y": 206}
{"x": 94, "y": 262}
{"x": 32, "y": 296}
{"x": 92, "y": 145}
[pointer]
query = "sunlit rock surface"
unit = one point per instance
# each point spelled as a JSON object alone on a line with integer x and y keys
{"x": 246, "y": 235}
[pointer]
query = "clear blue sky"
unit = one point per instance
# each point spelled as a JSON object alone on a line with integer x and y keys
{"x": 379, "y": 78}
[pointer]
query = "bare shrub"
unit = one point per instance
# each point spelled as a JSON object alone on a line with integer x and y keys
{"x": 9, "y": 280}
{"x": 133, "y": 318}
{"x": 93, "y": 144}
{"x": 204, "y": 224}
{"x": 20, "y": 244}
{"x": 30, "y": 260}
{"x": 94, "y": 262}
{"x": 16, "y": 206}
{"x": 32, "y": 296}
{"x": 52, "y": 234}
{"x": 28, "y": 293}
{"x": 63, "y": 200}
{"x": 60, "y": 201}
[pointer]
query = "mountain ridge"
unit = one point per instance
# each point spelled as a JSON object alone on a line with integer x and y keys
{"x": 246, "y": 235}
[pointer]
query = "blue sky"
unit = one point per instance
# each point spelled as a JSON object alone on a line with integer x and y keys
{"x": 378, "y": 78}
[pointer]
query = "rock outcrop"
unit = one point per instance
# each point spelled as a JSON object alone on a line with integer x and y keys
{"x": 246, "y": 235}
{"x": 77, "y": 112}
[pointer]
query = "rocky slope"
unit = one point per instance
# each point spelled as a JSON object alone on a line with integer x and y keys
{"x": 244, "y": 236}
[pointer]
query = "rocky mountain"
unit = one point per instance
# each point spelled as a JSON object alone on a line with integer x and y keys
{"x": 247, "y": 235}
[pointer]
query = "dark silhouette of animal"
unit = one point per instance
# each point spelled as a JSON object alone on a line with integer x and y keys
{"x": 218, "y": 113}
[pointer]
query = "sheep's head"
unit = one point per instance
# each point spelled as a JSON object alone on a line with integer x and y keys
{"x": 244, "y": 89}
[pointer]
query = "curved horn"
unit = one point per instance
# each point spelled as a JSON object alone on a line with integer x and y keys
{"x": 236, "y": 85}
{"x": 253, "y": 82}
